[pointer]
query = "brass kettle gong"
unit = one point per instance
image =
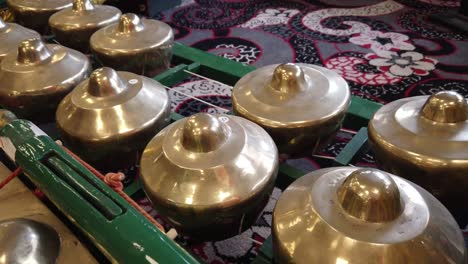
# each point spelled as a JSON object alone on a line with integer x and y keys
{"x": 109, "y": 118}
{"x": 210, "y": 175}
{"x": 28, "y": 241}
{"x": 74, "y": 26}
{"x": 425, "y": 140}
{"x": 351, "y": 215}
{"x": 11, "y": 35}
{"x": 301, "y": 106}
{"x": 35, "y": 14}
{"x": 36, "y": 76}
{"x": 142, "y": 46}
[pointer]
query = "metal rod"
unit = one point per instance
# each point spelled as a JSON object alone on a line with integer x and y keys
{"x": 255, "y": 241}
{"x": 197, "y": 99}
{"x": 206, "y": 78}
{"x": 348, "y": 131}
{"x": 323, "y": 157}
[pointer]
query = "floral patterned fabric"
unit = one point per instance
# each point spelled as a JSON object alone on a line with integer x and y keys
{"x": 385, "y": 49}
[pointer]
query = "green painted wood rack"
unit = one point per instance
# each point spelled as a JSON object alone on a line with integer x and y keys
{"x": 33, "y": 154}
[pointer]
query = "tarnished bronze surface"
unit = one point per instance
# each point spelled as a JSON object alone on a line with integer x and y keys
{"x": 348, "y": 215}
{"x": 209, "y": 175}
{"x": 142, "y": 46}
{"x": 34, "y": 14}
{"x": 425, "y": 140}
{"x": 17, "y": 201}
{"x": 109, "y": 118}
{"x": 35, "y": 77}
{"x": 74, "y": 26}
{"x": 11, "y": 36}
{"x": 301, "y": 106}
{"x": 28, "y": 241}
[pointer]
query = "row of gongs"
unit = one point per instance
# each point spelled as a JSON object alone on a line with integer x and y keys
{"x": 211, "y": 175}
{"x": 122, "y": 42}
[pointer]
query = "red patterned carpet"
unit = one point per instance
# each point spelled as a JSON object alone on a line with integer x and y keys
{"x": 386, "y": 50}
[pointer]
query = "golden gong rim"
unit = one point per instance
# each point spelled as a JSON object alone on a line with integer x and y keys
{"x": 350, "y": 214}
{"x": 216, "y": 161}
{"x": 83, "y": 14}
{"x": 291, "y": 95}
{"x": 431, "y": 130}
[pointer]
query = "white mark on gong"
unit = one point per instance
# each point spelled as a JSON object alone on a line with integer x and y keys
{"x": 224, "y": 119}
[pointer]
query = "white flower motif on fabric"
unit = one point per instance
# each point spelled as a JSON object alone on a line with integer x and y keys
{"x": 382, "y": 41}
{"x": 313, "y": 20}
{"x": 239, "y": 53}
{"x": 404, "y": 64}
{"x": 270, "y": 17}
{"x": 197, "y": 89}
{"x": 348, "y": 68}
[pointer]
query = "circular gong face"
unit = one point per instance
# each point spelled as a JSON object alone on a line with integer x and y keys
{"x": 236, "y": 157}
{"x": 291, "y": 95}
{"x": 84, "y": 15}
{"x": 115, "y": 105}
{"x": 427, "y": 130}
{"x": 11, "y": 35}
{"x": 210, "y": 175}
{"x": 132, "y": 34}
{"x": 39, "y": 5}
{"x": 36, "y": 68}
{"x": 348, "y": 214}
{"x": 28, "y": 241}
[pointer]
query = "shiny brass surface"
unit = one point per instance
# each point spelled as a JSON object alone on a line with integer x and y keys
{"x": 74, "y": 26}
{"x": 35, "y": 77}
{"x": 370, "y": 195}
{"x": 28, "y": 241}
{"x": 11, "y": 36}
{"x": 142, "y": 46}
{"x": 351, "y": 215}
{"x": 17, "y": 201}
{"x": 210, "y": 175}
{"x": 34, "y": 14}
{"x": 425, "y": 140}
{"x": 301, "y": 106}
{"x": 109, "y": 118}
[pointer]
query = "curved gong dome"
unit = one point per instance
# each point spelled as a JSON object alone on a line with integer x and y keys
{"x": 425, "y": 139}
{"x": 300, "y": 105}
{"x": 74, "y": 26}
{"x": 28, "y": 241}
{"x": 35, "y": 77}
{"x": 210, "y": 175}
{"x": 11, "y": 35}
{"x": 122, "y": 112}
{"x": 353, "y": 215}
{"x": 142, "y": 46}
